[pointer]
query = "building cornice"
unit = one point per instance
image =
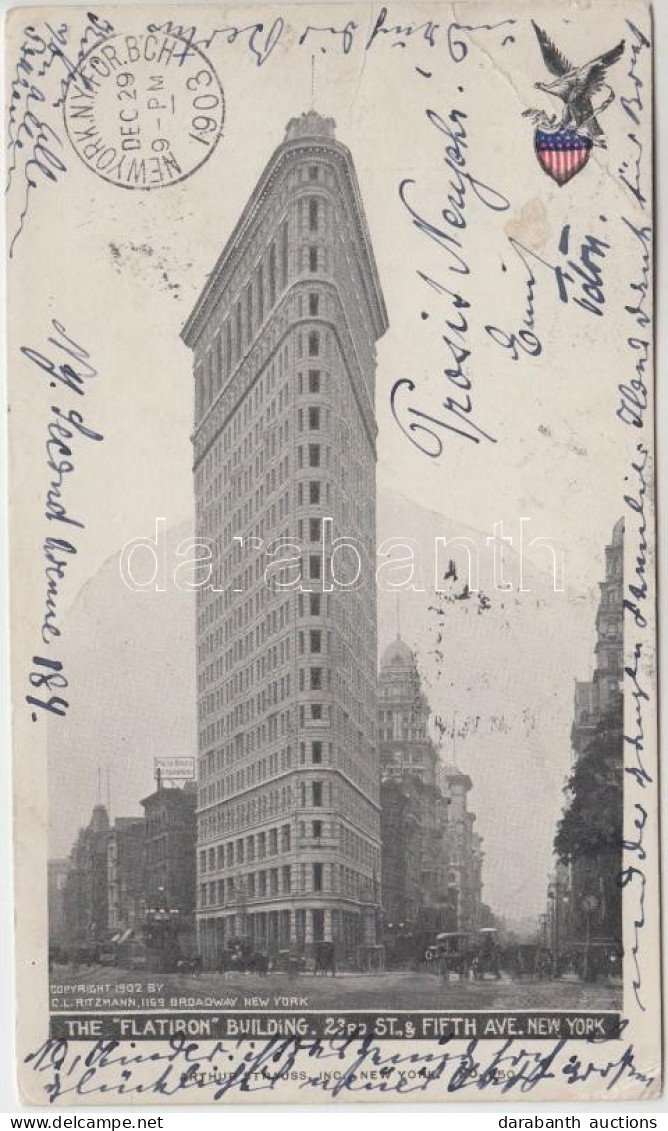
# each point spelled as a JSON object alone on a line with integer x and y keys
{"x": 307, "y": 148}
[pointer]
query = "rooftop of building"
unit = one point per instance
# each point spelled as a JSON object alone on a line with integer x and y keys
{"x": 100, "y": 819}
{"x": 398, "y": 655}
{"x": 452, "y": 773}
{"x": 172, "y": 793}
{"x": 300, "y": 131}
{"x": 310, "y": 124}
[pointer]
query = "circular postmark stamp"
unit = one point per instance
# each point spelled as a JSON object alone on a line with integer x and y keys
{"x": 144, "y": 111}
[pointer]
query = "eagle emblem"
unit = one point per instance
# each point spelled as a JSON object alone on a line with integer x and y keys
{"x": 563, "y": 144}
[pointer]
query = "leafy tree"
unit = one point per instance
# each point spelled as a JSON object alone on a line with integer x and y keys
{"x": 591, "y": 825}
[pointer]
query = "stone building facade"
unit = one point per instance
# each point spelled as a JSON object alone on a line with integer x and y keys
{"x": 463, "y": 849}
{"x": 432, "y": 857}
{"x": 283, "y": 337}
{"x": 125, "y": 873}
{"x": 85, "y": 890}
{"x": 56, "y": 880}
{"x": 169, "y": 847}
{"x": 601, "y": 695}
{"x": 584, "y": 896}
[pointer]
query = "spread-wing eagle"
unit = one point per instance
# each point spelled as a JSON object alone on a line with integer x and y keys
{"x": 577, "y": 86}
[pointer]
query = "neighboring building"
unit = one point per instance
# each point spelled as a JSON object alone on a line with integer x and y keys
{"x": 85, "y": 890}
{"x": 403, "y": 717}
{"x": 587, "y": 892}
{"x": 463, "y": 847}
{"x": 56, "y": 879}
{"x": 283, "y": 337}
{"x": 169, "y": 847}
{"x": 125, "y": 873}
{"x": 431, "y": 857}
{"x": 601, "y": 695}
{"x": 401, "y": 866}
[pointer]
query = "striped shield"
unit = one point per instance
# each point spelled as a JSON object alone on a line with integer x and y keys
{"x": 562, "y": 152}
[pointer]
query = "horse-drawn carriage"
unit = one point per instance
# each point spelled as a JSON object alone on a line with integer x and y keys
{"x": 465, "y": 954}
{"x": 240, "y": 957}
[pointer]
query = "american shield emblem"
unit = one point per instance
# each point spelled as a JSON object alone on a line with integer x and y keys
{"x": 562, "y": 152}
{"x": 563, "y": 145}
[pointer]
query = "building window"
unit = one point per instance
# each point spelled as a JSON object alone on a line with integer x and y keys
{"x": 316, "y": 794}
{"x": 317, "y": 877}
{"x": 262, "y": 883}
{"x": 220, "y": 363}
{"x": 249, "y": 312}
{"x": 251, "y": 886}
{"x": 287, "y": 879}
{"x": 314, "y": 380}
{"x": 262, "y": 846}
{"x": 284, "y": 253}
{"x": 240, "y": 852}
{"x": 316, "y": 679}
{"x": 313, "y": 343}
{"x": 272, "y": 275}
{"x": 313, "y": 208}
{"x": 316, "y": 753}
{"x": 239, "y": 332}
{"x": 315, "y": 640}
{"x": 313, "y": 491}
{"x": 313, "y": 304}
{"x": 313, "y": 259}
{"x": 314, "y": 567}
{"x": 273, "y": 842}
{"x": 314, "y": 455}
{"x": 285, "y": 838}
{"x": 314, "y": 418}
{"x": 316, "y": 829}
{"x": 230, "y": 855}
{"x": 314, "y": 529}
{"x": 313, "y": 172}
{"x": 260, "y": 293}
{"x": 314, "y": 604}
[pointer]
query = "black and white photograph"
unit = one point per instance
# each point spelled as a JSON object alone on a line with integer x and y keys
{"x": 332, "y": 534}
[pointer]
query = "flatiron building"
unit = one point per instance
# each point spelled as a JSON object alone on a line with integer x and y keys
{"x": 283, "y": 338}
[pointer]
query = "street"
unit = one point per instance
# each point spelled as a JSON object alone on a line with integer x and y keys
{"x": 393, "y": 989}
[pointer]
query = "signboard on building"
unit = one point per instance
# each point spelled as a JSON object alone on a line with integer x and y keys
{"x": 174, "y": 769}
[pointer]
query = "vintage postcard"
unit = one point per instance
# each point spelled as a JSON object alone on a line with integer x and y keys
{"x": 332, "y": 552}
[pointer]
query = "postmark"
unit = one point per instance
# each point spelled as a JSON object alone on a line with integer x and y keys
{"x": 144, "y": 111}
